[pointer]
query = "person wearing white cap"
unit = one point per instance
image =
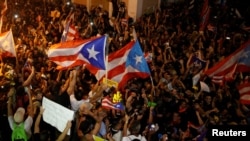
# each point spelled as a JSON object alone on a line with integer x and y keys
{"x": 21, "y": 128}
{"x": 16, "y": 121}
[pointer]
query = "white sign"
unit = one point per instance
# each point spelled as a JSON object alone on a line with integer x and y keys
{"x": 56, "y": 115}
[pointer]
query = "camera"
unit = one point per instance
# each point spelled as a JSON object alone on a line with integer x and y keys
{"x": 152, "y": 127}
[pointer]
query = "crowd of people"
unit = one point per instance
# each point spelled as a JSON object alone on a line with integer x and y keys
{"x": 166, "y": 106}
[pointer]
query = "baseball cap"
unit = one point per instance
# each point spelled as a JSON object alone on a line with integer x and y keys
{"x": 19, "y": 115}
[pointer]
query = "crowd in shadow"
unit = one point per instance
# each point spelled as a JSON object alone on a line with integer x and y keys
{"x": 167, "y": 106}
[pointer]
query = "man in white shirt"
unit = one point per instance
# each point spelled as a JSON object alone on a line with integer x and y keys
{"x": 77, "y": 98}
{"x": 116, "y": 129}
{"x": 134, "y": 130}
{"x": 80, "y": 94}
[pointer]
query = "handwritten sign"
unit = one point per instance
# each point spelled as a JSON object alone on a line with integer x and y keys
{"x": 110, "y": 83}
{"x": 56, "y": 115}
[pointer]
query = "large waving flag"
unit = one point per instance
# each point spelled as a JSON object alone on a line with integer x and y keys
{"x": 74, "y": 53}
{"x": 3, "y": 11}
{"x": 205, "y": 13}
{"x": 124, "y": 64}
{"x": 69, "y": 32}
{"x": 7, "y": 45}
{"x": 244, "y": 90}
{"x": 239, "y": 61}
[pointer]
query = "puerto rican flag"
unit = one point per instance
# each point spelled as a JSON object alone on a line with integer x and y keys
{"x": 78, "y": 52}
{"x": 69, "y": 32}
{"x": 124, "y": 64}
{"x": 244, "y": 91}
{"x": 221, "y": 78}
{"x": 197, "y": 62}
{"x": 238, "y": 61}
{"x": 7, "y": 45}
{"x": 205, "y": 13}
{"x": 148, "y": 56}
{"x": 108, "y": 104}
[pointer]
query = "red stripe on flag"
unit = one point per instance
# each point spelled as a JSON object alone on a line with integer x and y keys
{"x": 205, "y": 13}
{"x": 108, "y": 104}
{"x": 117, "y": 68}
{"x": 235, "y": 62}
{"x": 244, "y": 91}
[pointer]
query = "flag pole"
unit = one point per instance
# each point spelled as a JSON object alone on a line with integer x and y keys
{"x": 152, "y": 83}
{"x": 106, "y": 58}
{"x": 3, "y": 11}
{"x": 2, "y": 63}
{"x": 151, "y": 79}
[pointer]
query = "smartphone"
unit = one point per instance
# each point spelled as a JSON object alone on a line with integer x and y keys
{"x": 152, "y": 127}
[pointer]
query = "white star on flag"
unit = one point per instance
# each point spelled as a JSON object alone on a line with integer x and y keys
{"x": 92, "y": 52}
{"x": 138, "y": 59}
{"x": 245, "y": 54}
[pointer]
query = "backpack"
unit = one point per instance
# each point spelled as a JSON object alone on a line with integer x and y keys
{"x": 18, "y": 133}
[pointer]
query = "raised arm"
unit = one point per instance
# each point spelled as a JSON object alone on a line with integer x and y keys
{"x": 65, "y": 86}
{"x": 59, "y": 75}
{"x": 10, "y": 95}
{"x": 38, "y": 119}
{"x": 99, "y": 93}
{"x": 31, "y": 109}
{"x": 126, "y": 125}
{"x": 65, "y": 131}
{"x": 151, "y": 115}
{"x": 101, "y": 115}
{"x": 27, "y": 82}
{"x": 72, "y": 82}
